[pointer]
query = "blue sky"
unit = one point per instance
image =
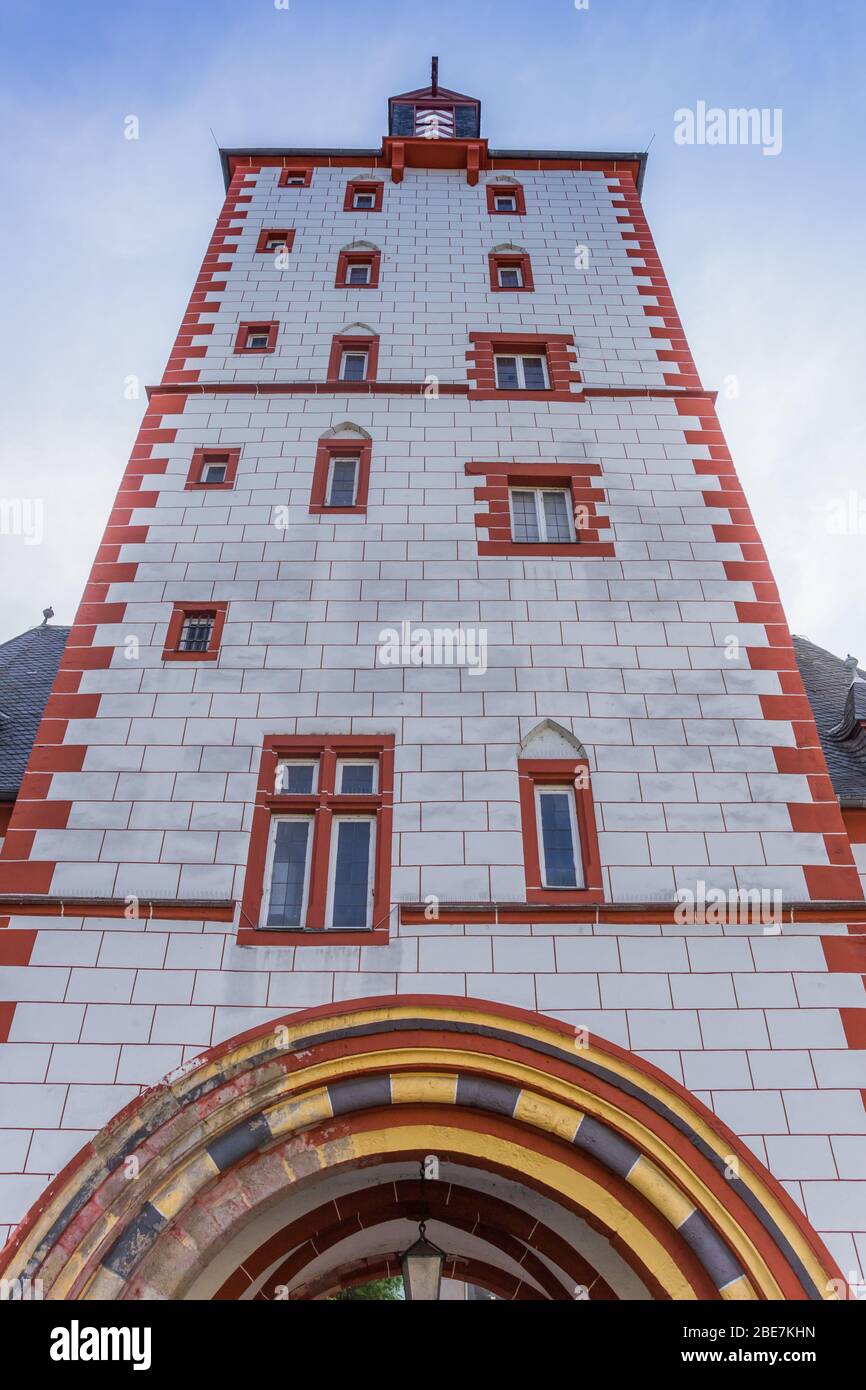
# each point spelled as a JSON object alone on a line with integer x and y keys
{"x": 102, "y": 237}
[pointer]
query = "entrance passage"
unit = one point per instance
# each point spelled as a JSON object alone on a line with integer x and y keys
{"x": 284, "y": 1164}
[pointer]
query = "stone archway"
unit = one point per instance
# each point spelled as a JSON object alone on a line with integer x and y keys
{"x": 564, "y": 1162}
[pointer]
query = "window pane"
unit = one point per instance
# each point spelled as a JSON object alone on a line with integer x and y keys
{"x": 557, "y": 840}
{"x": 506, "y": 373}
{"x": 506, "y": 202}
{"x": 297, "y": 779}
{"x": 196, "y": 633}
{"x": 525, "y": 517}
{"x": 556, "y": 516}
{"x": 214, "y": 473}
{"x": 357, "y": 779}
{"x": 288, "y": 872}
{"x": 510, "y": 277}
{"x": 342, "y": 492}
{"x": 359, "y": 274}
{"x": 533, "y": 373}
{"x": 351, "y": 873}
{"x": 354, "y": 366}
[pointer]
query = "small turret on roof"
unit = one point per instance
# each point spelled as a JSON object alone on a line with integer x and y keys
{"x": 434, "y": 112}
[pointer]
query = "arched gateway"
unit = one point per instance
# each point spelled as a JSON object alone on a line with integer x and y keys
{"x": 284, "y": 1163}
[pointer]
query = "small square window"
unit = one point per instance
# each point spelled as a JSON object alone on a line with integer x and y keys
{"x": 358, "y": 273}
{"x": 510, "y": 277}
{"x": 353, "y": 366}
{"x": 196, "y": 633}
{"x": 505, "y": 202}
{"x": 364, "y": 200}
{"x": 214, "y": 472}
{"x": 521, "y": 373}
{"x": 342, "y": 481}
{"x": 295, "y": 178}
{"x": 356, "y": 779}
{"x": 541, "y": 514}
{"x": 257, "y": 337}
{"x": 275, "y": 241}
{"x": 213, "y": 468}
{"x": 296, "y": 778}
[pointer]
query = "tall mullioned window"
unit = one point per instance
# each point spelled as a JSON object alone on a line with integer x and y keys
{"x": 320, "y": 847}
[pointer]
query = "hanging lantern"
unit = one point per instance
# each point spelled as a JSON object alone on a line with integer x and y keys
{"x": 422, "y": 1269}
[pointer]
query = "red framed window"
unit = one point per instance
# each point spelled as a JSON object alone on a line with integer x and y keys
{"x": 273, "y": 240}
{"x": 506, "y": 200}
{"x": 534, "y": 365}
{"x": 560, "y": 840}
{"x": 194, "y": 632}
{"x": 540, "y": 509}
{"x": 213, "y": 469}
{"x": 364, "y": 195}
{"x": 295, "y": 176}
{"x": 256, "y": 337}
{"x": 320, "y": 845}
{"x": 358, "y": 270}
{"x": 354, "y": 357}
{"x": 341, "y": 476}
{"x": 511, "y": 270}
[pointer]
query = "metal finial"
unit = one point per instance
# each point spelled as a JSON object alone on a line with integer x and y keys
{"x": 851, "y": 663}
{"x": 46, "y": 614}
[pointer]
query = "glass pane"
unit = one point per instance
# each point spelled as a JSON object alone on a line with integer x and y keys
{"x": 354, "y": 366}
{"x": 357, "y": 779}
{"x": 287, "y": 873}
{"x": 196, "y": 633}
{"x": 533, "y": 373}
{"x": 556, "y": 516}
{"x": 214, "y": 473}
{"x": 466, "y": 122}
{"x": 342, "y": 492}
{"x": 359, "y": 274}
{"x": 506, "y": 373}
{"x": 506, "y": 203}
{"x": 296, "y": 779}
{"x": 510, "y": 277}
{"x": 557, "y": 840}
{"x": 351, "y": 873}
{"x": 525, "y": 517}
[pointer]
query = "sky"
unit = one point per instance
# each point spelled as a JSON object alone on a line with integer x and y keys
{"x": 101, "y": 236}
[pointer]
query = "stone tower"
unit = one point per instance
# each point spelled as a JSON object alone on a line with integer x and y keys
{"x": 431, "y": 719}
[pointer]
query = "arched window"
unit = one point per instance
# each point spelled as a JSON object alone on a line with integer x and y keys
{"x": 354, "y": 354}
{"x": 358, "y": 266}
{"x": 341, "y": 475}
{"x": 560, "y": 841}
{"x": 510, "y": 268}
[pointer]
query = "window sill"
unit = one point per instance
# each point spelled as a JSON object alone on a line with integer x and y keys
{"x": 169, "y": 654}
{"x": 302, "y": 936}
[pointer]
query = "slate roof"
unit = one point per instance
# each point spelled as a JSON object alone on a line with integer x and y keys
{"x": 28, "y": 665}
{"x": 837, "y": 694}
